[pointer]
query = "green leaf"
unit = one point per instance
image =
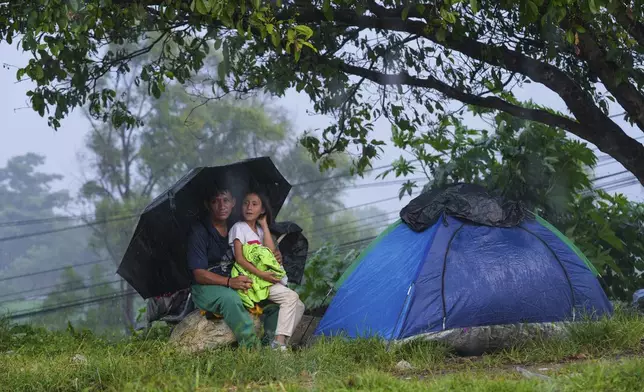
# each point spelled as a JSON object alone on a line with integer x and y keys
{"x": 305, "y": 31}
{"x": 32, "y": 20}
{"x": 609, "y": 236}
{"x": 39, "y": 73}
{"x": 310, "y": 45}
{"x": 593, "y": 6}
{"x": 156, "y": 92}
{"x": 534, "y": 10}
{"x": 449, "y": 17}
{"x": 221, "y": 71}
{"x": 290, "y": 35}
{"x": 62, "y": 22}
{"x": 405, "y": 13}
{"x": 275, "y": 39}
{"x": 441, "y": 34}
{"x": 73, "y": 5}
{"x": 200, "y": 7}
{"x": 474, "y": 4}
{"x": 327, "y": 10}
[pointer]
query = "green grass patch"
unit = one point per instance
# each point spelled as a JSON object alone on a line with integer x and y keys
{"x": 34, "y": 359}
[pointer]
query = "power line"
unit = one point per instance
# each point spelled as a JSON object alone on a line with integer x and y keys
{"x": 348, "y": 174}
{"x": 96, "y": 299}
{"x": 345, "y": 244}
{"x": 306, "y": 217}
{"x": 609, "y": 175}
{"x": 99, "y": 284}
{"x": 617, "y": 184}
{"x": 352, "y": 207}
{"x": 39, "y": 233}
{"x": 67, "y": 305}
{"x": 54, "y": 269}
{"x": 132, "y": 215}
{"x": 327, "y": 228}
{"x": 359, "y": 229}
{"x": 100, "y": 299}
{"x": 373, "y": 184}
{"x": 31, "y": 290}
{"x": 103, "y": 260}
{"x": 121, "y": 218}
{"x": 355, "y": 186}
{"x": 25, "y": 222}
{"x": 629, "y": 183}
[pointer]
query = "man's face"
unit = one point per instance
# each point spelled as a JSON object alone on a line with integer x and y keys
{"x": 221, "y": 206}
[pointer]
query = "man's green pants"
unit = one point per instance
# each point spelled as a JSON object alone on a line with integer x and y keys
{"x": 226, "y": 302}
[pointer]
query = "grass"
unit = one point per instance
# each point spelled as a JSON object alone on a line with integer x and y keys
{"x": 604, "y": 355}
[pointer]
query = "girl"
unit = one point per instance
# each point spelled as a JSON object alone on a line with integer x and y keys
{"x": 253, "y": 229}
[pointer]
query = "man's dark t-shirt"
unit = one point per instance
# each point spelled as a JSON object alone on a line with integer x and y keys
{"x": 207, "y": 249}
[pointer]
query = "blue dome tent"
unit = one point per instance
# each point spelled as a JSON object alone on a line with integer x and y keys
{"x": 461, "y": 258}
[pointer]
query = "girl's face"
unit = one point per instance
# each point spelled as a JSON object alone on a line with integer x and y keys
{"x": 252, "y": 207}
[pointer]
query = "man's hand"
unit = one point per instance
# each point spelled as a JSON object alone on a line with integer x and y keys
{"x": 240, "y": 283}
{"x": 278, "y": 255}
{"x": 269, "y": 277}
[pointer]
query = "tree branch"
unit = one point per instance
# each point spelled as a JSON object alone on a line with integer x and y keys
{"x": 577, "y": 100}
{"x": 471, "y": 99}
{"x": 598, "y": 128}
{"x": 622, "y": 147}
{"x": 624, "y": 17}
{"x": 626, "y": 94}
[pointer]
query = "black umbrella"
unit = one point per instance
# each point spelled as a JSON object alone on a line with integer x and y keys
{"x": 155, "y": 260}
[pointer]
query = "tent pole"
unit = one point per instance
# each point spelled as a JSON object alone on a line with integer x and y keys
{"x": 312, "y": 318}
{"x": 402, "y": 309}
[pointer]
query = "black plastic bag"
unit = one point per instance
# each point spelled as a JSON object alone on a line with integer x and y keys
{"x": 171, "y": 308}
{"x": 294, "y": 248}
{"x": 465, "y": 201}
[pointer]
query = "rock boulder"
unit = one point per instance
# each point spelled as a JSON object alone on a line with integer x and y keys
{"x": 197, "y": 333}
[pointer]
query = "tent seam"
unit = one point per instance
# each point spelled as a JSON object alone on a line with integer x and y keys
{"x": 449, "y": 245}
{"x": 565, "y": 271}
{"x": 413, "y": 283}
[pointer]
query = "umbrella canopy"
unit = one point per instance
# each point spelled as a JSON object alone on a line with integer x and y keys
{"x": 155, "y": 260}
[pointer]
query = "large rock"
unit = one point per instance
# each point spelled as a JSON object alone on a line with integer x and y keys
{"x": 197, "y": 333}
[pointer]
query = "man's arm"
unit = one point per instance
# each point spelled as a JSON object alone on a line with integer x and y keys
{"x": 198, "y": 263}
{"x": 203, "y": 276}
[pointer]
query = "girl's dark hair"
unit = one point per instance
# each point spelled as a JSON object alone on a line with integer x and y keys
{"x": 266, "y": 205}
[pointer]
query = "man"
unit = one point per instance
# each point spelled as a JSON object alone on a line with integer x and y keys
{"x": 210, "y": 259}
